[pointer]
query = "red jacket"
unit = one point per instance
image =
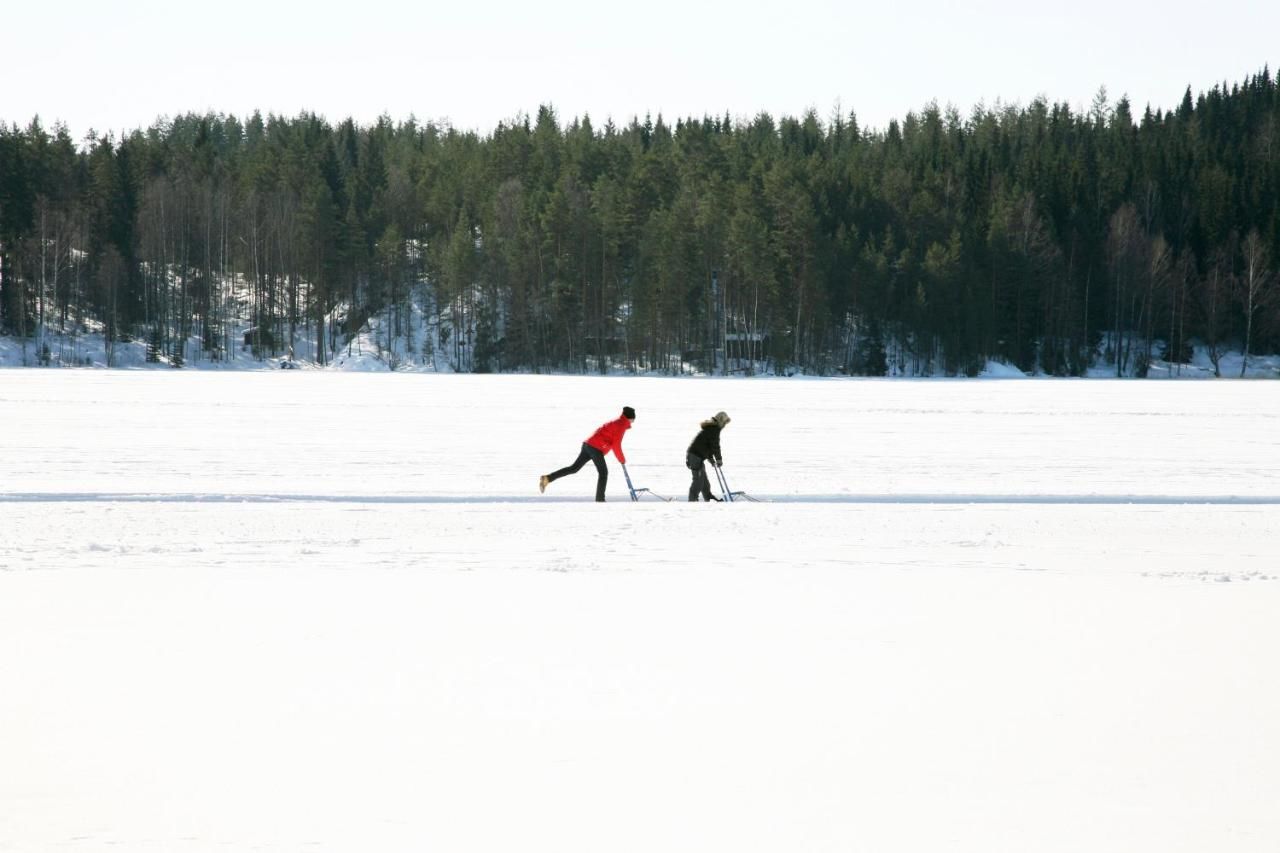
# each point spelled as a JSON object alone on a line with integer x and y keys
{"x": 609, "y": 437}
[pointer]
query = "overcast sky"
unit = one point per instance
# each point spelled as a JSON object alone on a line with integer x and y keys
{"x": 118, "y": 66}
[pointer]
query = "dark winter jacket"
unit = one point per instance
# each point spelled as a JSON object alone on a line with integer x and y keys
{"x": 609, "y": 437}
{"x": 706, "y": 444}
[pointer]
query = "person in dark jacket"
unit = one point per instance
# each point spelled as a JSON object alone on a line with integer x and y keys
{"x": 705, "y": 446}
{"x": 607, "y": 437}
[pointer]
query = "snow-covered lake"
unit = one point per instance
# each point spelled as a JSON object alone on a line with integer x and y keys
{"x": 316, "y": 611}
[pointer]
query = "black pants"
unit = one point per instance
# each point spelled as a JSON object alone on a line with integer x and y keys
{"x": 588, "y": 452}
{"x": 700, "y": 485}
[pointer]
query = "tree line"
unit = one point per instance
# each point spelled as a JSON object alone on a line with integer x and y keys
{"x": 1039, "y": 235}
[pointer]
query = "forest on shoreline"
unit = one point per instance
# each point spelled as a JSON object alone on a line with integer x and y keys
{"x": 1037, "y": 235}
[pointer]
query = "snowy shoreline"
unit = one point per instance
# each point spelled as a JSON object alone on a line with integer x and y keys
{"x": 366, "y": 354}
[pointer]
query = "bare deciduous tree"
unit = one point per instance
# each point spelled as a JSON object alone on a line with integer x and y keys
{"x": 1257, "y": 286}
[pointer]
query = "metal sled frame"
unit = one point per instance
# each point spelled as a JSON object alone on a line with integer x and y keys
{"x": 724, "y": 488}
{"x": 635, "y": 493}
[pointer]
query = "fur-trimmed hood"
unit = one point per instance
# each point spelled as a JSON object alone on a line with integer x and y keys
{"x": 706, "y": 444}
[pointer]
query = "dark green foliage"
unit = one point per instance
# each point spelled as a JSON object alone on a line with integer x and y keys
{"x": 154, "y": 346}
{"x": 868, "y": 357}
{"x": 1032, "y": 235}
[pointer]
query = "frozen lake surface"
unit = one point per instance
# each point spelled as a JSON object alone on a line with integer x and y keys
{"x": 313, "y": 611}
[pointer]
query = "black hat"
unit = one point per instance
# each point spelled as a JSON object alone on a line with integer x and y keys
{"x": 628, "y": 412}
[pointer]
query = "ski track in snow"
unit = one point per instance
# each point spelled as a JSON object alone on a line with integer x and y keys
{"x": 300, "y": 611}
{"x": 1103, "y": 500}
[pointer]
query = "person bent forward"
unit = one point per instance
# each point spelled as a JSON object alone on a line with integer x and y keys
{"x": 705, "y": 447}
{"x": 607, "y": 437}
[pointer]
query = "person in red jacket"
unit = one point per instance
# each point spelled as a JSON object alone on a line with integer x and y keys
{"x": 607, "y": 437}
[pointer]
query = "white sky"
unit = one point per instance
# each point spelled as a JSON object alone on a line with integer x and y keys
{"x": 114, "y": 66}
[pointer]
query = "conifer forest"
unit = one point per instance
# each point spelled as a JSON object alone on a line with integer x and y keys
{"x": 1048, "y": 237}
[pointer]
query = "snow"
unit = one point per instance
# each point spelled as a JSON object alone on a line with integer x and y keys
{"x": 999, "y": 370}
{"x": 326, "y": 611}
{"x": 374, "y": 348}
